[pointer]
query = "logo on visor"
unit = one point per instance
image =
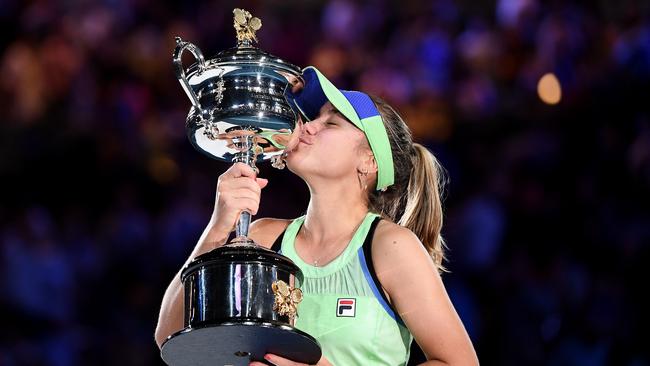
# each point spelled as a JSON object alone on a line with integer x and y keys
{"x": 346, "y": 308}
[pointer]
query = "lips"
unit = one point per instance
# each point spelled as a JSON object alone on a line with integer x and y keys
{"x": 305, "y": 140}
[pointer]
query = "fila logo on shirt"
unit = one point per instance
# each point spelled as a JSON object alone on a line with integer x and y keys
{"x": 346, "y": 307}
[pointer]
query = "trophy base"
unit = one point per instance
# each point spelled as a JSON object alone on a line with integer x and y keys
{"x": 238, "y": 344}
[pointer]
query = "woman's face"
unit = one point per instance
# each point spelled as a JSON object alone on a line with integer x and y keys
{"x": 329, "y": 147}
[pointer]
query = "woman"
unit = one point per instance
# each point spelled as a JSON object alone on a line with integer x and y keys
{"x": 369, "y": 245}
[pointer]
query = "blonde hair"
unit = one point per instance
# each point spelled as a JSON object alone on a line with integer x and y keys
{"x": 415, "y": 200}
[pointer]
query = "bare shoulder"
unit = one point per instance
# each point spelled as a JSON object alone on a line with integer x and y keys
{"x": 396, "y": 250}
{"x": 265, "y": 230}
{"x": 390, "y": 237}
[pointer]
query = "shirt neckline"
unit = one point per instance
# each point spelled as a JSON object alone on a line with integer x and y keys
{"x": 309, "y": 270}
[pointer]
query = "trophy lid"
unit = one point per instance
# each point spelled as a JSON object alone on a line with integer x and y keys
{"x": 249, "y": 55}
{"x": 245, "y": 53}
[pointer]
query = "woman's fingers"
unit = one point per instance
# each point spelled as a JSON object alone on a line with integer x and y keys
{"x": 261, "y": 182}
{"x": 241, "y": 183}
{"x": 242, "y": 174}
{"x": 242, "y": 200}
{"x": 277, "y": 361}
{"x": 239, "y": 170}
{"x": 281, "y": 361}
{"x": 238, "y": 189}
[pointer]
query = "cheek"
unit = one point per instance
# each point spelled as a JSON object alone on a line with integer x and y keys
{"x": 337, "y": 151}
{"x": 335, "y": 143}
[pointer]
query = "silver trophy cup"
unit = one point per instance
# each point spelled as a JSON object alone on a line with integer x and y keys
{"x": 241, "y": 299}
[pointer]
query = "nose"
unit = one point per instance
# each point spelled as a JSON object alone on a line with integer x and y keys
{"x": 312, "y": 127}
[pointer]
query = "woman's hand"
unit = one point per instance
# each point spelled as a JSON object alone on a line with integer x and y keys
{"x": 238, "y": 189}
{"x": 281, "y": 361}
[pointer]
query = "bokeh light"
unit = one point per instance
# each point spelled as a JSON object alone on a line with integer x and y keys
{"x": 549, "y": 89}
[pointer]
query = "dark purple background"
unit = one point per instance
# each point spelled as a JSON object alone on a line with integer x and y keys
{"x": 547, "y": 207}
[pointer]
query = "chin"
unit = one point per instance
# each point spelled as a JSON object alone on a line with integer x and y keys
{"x": 293, "y": 162}
{"x": 299, "y": 163}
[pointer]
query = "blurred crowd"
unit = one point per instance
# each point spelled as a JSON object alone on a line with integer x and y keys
{"x": 547, "y": 207}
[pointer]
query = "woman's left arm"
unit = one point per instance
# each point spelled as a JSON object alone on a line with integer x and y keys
{"x": 414, "y": 287}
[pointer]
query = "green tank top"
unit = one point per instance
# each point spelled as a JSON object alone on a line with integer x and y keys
{"x": 343, "y": 306}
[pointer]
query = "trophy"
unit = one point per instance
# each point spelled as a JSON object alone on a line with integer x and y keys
{"x": 241, "y": 299}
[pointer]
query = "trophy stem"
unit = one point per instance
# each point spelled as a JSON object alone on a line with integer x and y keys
{"x": 246, "y": 154}
{"x": 242, "y": 225}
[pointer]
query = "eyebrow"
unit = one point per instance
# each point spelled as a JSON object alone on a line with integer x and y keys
{"x": 333, "y": 109}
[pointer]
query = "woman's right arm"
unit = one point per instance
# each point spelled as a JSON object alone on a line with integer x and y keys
{"x": 238, "y": 189}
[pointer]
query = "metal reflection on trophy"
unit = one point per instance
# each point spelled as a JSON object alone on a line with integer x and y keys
{"x": 241, "y": 299}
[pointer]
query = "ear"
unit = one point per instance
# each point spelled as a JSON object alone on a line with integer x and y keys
{"x": 368, "y": 162}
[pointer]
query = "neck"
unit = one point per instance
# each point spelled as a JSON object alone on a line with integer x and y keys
{"x": 334, "y": 210}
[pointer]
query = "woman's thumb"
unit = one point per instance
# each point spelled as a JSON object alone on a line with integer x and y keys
{"x": 262, "y": 182}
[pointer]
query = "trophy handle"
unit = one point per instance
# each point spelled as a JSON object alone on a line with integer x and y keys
{"x": 181, "y": 46}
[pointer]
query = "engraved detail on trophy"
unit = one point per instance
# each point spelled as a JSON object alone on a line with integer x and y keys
{"x": 246, "y": 25}
{"x": 286, "y": 299}
{"x": 219, "y": 91}
{"x": 211, "y": 130}
{"x": 278, "y": 161}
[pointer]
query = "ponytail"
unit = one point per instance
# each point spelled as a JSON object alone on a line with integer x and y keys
{"x": 414, "y": 200}
{"x": 423, "y": 210}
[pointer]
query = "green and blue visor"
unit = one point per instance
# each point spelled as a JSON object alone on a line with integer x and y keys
{"x": 356, "y": 106}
